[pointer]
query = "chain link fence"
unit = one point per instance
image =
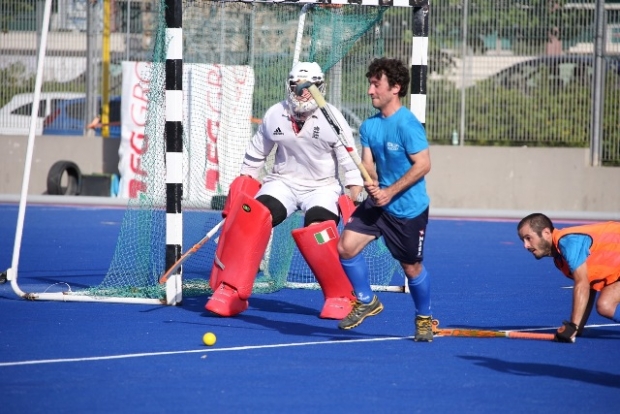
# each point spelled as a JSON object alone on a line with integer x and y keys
{"x": 500, "y": 73}
{"x": 73, "y": 61}
{"x": 521, "y": 74}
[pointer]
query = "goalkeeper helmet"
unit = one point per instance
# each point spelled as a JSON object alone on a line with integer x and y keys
{"x": 302, "y": 106}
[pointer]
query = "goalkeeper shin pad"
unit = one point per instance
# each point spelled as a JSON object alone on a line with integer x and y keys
{"x": 240, "y": 185}
{"x": 318, "y": 245}
{"x": 237, "y": 258}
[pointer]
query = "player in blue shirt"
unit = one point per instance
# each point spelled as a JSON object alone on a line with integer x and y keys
{"x": 395, "y": 152}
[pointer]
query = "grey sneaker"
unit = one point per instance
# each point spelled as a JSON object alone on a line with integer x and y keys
{"x": 359, "y": 312}
{"x": 423, "y": 329}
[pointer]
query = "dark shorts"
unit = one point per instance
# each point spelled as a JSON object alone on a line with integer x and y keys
{"x": 404, "y": 238}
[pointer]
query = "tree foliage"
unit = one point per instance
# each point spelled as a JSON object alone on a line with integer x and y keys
{"x": 10, "y": 9}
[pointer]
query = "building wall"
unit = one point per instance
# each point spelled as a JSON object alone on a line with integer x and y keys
{"x": 521, "y": 178}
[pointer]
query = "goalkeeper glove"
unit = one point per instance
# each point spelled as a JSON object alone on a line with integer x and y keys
{"x": 566, "y": 332}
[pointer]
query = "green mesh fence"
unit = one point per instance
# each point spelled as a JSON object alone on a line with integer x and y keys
{"x": 228, "y": 44}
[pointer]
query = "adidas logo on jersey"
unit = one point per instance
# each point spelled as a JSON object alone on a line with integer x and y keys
{"x": 278, "y": 131}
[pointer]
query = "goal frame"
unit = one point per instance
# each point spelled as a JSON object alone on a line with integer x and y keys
{"x": 174, "y": 138}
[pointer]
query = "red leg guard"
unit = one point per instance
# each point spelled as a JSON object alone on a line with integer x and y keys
{"x": 237, "y": 258}
{"x": 318, "y": 245}
{"x": 240, "y": 185}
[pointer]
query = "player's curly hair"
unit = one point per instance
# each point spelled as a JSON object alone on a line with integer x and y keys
{"x": 394, "y": 70}
{"x": 537, "y": 221}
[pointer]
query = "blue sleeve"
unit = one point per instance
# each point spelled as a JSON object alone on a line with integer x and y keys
{"x": 416, "y": 138}
{"x": 575, "y": 248}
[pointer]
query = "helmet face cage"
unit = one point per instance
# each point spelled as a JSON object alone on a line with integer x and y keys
{"x": 304, "y": 72}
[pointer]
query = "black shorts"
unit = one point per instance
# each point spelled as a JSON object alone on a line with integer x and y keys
{"x": 404, "y": 238}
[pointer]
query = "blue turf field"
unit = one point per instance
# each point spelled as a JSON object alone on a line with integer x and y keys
{"x": 278, "y": 356}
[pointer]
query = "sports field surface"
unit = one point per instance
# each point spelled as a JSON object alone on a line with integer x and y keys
{"x": 278, "y": 356}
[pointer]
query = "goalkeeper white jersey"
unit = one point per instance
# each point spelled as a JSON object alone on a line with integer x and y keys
{"x": 306, "y": 158}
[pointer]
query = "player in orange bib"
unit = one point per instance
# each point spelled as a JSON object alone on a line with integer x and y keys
{"x": 589, "y": 255}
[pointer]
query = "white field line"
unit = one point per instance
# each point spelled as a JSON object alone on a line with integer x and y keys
{"x": 239, "y": 348}
{"x": 198, "y": 351}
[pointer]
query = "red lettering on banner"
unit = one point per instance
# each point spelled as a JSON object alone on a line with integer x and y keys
{"x": 138, "y": 91}
{"x": 241, "y": 75}
{"x": 214, "y": 77}
{"x": 135, "y": 187}
{"x": 212, "y": 131}
{"x": 212, "y": 175}
{"x": 214, "y": 82}
{"x": 214, "y": 102}
{"x": 135, "y": 164}
{"x": 138, "y": 114}
{"x": 138, "y": 142}
{"x": 134, "y": 140}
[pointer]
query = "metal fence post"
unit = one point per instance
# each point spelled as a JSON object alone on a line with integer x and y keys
{"x": 598, "y": 92}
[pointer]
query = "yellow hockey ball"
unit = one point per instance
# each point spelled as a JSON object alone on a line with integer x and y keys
{"x": 209, "y": 338}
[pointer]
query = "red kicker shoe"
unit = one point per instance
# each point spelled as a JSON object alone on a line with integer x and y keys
{"x": 336, "y": 308}
{"x": 225, "y": 301}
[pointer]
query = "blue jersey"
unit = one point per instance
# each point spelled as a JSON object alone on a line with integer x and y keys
{"x": 391, "y": 140}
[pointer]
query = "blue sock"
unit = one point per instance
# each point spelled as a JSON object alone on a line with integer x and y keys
{"x": 616, "y": 317}
{"x": 356, "y": 269}
{"x": 420, "y": 290}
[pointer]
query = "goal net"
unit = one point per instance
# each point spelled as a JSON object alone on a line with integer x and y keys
{"x": 236, "y": 58}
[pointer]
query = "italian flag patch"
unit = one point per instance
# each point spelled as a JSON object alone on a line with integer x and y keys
{"x": 325, "y": 235}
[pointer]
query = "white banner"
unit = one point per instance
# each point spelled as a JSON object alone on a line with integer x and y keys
{"x": 136, "y": 78}
{"x": 218, "y": 109}
{"x": 217, "y": 125}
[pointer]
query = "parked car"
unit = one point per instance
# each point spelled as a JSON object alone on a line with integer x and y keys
{"x": 15, "y": 115}
{"x": 556, "y": 71}
{"x": 68, "y": 118}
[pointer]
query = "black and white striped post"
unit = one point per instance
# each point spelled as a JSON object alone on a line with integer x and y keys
{"x": 419, "y": 63}
{"x": 174, "y": 146}
{"x": 419, "y": 58}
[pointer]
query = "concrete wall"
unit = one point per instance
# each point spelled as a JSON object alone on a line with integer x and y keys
{"x": 463, "y": 178}
{"x": 92, "y": 155}
{"x": 549, "y": 179}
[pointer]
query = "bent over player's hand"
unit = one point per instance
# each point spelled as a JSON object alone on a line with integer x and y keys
{"x": 566, "y": 332}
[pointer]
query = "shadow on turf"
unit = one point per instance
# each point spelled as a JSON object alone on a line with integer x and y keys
{"x": 546, "y": 370}
{"x": 286, "y": 326}
{"x": 197, "y": 304}
{"x": 304, "y": 329}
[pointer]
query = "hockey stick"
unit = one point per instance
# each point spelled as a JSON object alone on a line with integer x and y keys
{"x": 300, "y": 32}
{"x": 322, "y": 104}
{"x": 190, "y": 252}
{"x": 482, "y": 333}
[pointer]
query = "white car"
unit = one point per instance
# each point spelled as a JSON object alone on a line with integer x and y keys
{"x": 15, "y": 115}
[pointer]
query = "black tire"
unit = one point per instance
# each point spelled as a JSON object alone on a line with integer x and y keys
{"x": 64, "y": 170}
